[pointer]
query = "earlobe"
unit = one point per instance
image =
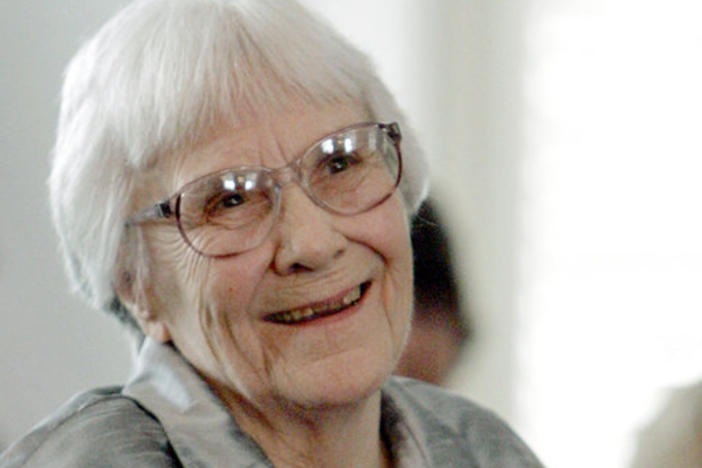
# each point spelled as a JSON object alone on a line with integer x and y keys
{"x": 125, "y": 290}
{"x": 149, "y": 320}
{"x": 134, "y": 299}
{"x": 156, "y": 329}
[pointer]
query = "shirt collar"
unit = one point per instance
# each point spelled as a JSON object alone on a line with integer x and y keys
{"x": 404, "y": 434}
{"x": 204, "y": 434}
{"x": 199, "y": 427}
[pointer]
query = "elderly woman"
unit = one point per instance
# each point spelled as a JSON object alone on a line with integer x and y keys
{"x": 225, "y": 182}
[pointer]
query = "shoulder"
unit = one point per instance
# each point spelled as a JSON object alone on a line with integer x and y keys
{"x": 96, "y": 428}
{"x": 451, "y": 427}
{"x": 437, "y": 405}
{"x": 673, "y": 437}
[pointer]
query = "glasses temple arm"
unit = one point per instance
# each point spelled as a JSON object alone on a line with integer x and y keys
{"x": 157, "y": 211}
{"x": 393, "y": 131}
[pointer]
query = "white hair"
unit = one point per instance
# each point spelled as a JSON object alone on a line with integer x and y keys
{"x": 162, "y": 73}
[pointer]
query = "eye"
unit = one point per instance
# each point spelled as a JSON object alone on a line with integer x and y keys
{"x": 215, "y": 206}
{"x": 232, "y": 200}
{"x": 341, "y": 162}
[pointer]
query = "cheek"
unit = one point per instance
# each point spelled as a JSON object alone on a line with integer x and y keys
{"x": 179, "y": 278}
{"x": 386, "y": 231}
{"x": 205, "y": 303}
{"x": 165, "y": 252}
{"x": 401, "y": 296}
{"x": 236, "y": 355}
{"x": 392, "y": 242}
{"x": 232, "y": 283}
{"x": 224, "y": 296}
{"x": 178, "y": 268}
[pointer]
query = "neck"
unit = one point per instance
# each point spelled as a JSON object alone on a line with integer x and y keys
{"x": 338, "y": 437}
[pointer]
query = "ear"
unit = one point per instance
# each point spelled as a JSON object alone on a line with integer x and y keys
{"x": 134, "y": 295}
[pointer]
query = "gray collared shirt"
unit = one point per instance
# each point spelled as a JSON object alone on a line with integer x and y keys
{"x": 167, "y": 416}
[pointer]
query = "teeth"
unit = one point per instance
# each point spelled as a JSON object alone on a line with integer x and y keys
{"x": 352, "y": 296}
{"x": 297, "y": 315}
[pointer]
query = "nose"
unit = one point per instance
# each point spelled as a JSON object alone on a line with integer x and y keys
{"x": 308, "y": 239}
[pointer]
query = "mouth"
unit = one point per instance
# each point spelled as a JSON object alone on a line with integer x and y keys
{"x": 321, "y": 309}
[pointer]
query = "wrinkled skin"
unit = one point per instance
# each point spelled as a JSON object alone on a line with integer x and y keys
{"x": 212, "y": 309}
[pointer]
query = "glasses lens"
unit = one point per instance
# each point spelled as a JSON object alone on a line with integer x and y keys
{"x": 227, "y": 212}
{"x": 352, "y": 171}
{"x": 232, "y": 211}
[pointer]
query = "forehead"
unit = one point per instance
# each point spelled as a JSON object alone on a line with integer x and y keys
{"x": 271, "y": 142}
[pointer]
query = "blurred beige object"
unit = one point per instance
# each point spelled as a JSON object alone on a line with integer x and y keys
{"x": 674, "y": 438}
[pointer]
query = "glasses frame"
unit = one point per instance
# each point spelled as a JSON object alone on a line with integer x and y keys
{"x": 169, "y": 208}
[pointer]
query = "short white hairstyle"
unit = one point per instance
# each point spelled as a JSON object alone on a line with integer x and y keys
{"x": 157, "y": 77}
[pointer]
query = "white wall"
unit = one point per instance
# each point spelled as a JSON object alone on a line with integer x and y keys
{"x": 52, "y": 346}
{"x": 455, "y": 69}
{"x": 611, "y": 252}
{"x": 526, "y": 108}
{"x": 439, "y": 58}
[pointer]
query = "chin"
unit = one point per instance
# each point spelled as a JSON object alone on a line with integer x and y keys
{"x": 343, "y": 380}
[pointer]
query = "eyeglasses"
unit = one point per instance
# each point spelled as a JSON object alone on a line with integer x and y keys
{"x": 227, "y": 212}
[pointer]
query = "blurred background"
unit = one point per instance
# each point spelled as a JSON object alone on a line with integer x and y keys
{"x": 566, "y": 150}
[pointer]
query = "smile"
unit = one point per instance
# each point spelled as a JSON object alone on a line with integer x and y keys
{"x": 321, "y": 309}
